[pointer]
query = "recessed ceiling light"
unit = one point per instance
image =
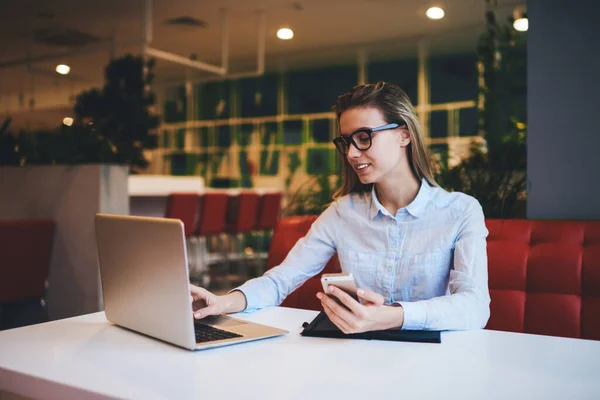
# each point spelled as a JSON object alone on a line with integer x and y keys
{"x": 63, "y": 69}
{"x": 68, "y": 121}
{"x": 285, "y": 33}
{"x": 521, "y": 24}
{"x": 435, "y": 13}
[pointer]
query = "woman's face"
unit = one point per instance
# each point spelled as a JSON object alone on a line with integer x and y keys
{"x": 387, "y": 150}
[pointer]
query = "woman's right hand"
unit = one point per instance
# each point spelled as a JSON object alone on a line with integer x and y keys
{"x": 205, "y": 303}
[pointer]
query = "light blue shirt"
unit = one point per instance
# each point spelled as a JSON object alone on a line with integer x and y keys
{"x": 430, "y": 257}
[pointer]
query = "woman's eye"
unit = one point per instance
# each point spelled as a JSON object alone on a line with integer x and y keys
{"x": 362, "y": 137}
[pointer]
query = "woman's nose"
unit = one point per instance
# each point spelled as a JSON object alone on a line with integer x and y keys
{"x": 353, "y": 152}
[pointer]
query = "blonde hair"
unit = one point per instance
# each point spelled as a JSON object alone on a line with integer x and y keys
{"x": 395, "y": 106}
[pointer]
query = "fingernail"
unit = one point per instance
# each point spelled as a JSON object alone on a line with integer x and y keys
{"x": 360, "y": 292}
{"x": 198, "y": 315}
{"x": 331, "y": 289}
{"x": 319, "y": 296}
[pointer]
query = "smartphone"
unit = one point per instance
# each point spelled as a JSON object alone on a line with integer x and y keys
{"x": 343, "y": 281}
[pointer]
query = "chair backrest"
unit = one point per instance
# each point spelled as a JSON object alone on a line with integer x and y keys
{"x": 213, "y": 212}
{"x": 544, "y": 277}
{"x": 269, "y": 210}
{"x": 244, "y": 212}
{"x": 25, "y": 253}
{"x": 185, "y": 207}
{"x": 287, "y": 232}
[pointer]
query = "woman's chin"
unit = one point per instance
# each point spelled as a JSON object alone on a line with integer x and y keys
{"x": 365, "y": 180}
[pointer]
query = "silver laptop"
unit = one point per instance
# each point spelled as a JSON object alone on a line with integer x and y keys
{"x": 145, "y": 284}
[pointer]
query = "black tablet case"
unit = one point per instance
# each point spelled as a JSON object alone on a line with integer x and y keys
{"x": 321, "y": 326}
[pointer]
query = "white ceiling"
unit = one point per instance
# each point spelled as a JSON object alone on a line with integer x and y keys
{"x": 326, "y": 31}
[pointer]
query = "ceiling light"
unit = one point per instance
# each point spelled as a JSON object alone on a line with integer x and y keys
{"x": 63, "y": 69}
{"x": 521, "y": 23}
{"x": 435, "y": 13}
{"x": 68, "y": 121}
{"x": 285, "y": 33}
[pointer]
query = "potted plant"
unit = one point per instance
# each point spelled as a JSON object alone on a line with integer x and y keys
{"x": 495, "y": 173}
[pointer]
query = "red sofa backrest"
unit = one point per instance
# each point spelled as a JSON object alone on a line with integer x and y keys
{"x": 544, "y": 276}
{"x": 287, "y": 232}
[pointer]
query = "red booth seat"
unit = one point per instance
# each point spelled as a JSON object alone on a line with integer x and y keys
{"x": 544, "y": 276}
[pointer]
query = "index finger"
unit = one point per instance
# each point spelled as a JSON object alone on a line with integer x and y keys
{"x": 345, "y": 298}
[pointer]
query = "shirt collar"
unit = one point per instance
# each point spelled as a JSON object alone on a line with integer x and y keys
{"x": 415, "y": 208}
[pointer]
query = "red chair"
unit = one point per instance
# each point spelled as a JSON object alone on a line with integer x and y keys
{"x": 184, "y": 207}
{"x": 269, "y": 211}
{"x": 213, "y": 212}
{"x": 25, "y": 254}
{"x": 243, "y": 210}
{"x": 211, "y": 229}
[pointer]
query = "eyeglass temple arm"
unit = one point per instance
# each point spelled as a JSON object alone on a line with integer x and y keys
{"x": 393, "y": 125}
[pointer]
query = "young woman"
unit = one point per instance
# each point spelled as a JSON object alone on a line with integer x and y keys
{"x": 417, "y": 252}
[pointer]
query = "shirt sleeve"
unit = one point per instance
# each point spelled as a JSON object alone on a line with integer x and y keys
{"x": 468, "y": 304}
{"x": 306, "y": 259}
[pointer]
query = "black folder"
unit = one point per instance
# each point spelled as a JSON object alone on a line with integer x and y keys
{"x": 321, "y": 326}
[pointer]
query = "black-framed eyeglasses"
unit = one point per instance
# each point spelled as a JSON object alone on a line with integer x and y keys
{"x": 360, "y": 139}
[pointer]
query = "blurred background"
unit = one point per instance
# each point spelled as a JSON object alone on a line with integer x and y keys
{"x": 209, "y": 89}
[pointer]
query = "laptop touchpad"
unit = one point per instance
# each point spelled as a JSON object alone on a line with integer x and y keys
{"x": 221, "y": 320}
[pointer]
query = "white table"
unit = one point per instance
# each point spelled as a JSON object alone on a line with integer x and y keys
{"x": 87, "y": 357}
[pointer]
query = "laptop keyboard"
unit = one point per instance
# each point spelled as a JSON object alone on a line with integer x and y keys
{"x": 207, "y": 333}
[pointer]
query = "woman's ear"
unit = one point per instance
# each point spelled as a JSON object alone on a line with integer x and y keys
{"x": 404, "y": 137}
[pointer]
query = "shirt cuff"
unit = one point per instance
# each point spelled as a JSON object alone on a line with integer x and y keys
{"x": 414, "y": 315}
{"x": 248, "y": 295}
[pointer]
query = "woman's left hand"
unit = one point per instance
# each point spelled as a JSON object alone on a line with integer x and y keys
{"x": 356, "y": 317}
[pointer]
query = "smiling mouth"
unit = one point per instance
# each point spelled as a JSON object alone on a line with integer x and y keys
{"x": 360, "y": 167}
